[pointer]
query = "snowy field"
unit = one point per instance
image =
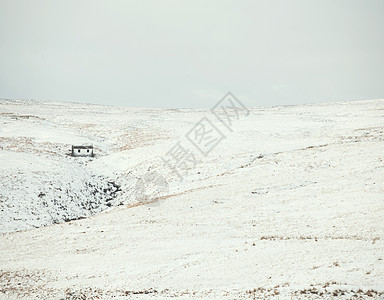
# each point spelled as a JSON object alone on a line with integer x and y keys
{"x": 288, "y": 205}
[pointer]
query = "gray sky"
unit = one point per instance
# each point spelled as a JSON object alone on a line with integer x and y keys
{"x": 175, "y": 53}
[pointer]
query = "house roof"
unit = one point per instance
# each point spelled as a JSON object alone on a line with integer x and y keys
{"x": 82, "y": 147}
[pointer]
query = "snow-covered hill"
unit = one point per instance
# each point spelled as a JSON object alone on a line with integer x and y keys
{"x": 289, "y": 202}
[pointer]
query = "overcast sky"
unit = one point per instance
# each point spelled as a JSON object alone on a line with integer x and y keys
{"x": 175, "y": 53}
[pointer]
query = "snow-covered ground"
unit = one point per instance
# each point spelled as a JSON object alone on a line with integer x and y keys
{"x": 290, "y": 204}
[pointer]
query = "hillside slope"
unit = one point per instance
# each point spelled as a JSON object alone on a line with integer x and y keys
{"x": 288, "y": 204}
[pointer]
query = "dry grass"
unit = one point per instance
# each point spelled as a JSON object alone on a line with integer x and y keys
{"x": 17, "y": 116}
{"x": 141, "y": 137}
{"x": 156, "y": 199}
{"x": 29, "y": 145}
{"x": 315, "y": 238}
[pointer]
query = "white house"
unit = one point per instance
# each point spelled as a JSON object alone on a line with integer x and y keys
{"x": 82, "y": 151}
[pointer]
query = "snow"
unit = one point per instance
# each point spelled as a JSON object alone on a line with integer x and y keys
{"x": 289, "y": 204}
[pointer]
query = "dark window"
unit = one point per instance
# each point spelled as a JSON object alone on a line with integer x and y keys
{"x": 78, "y": 150}
{"x": 88, "y": 150}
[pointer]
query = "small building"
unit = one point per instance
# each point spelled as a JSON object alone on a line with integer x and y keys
{"x": 82, "y": 151}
